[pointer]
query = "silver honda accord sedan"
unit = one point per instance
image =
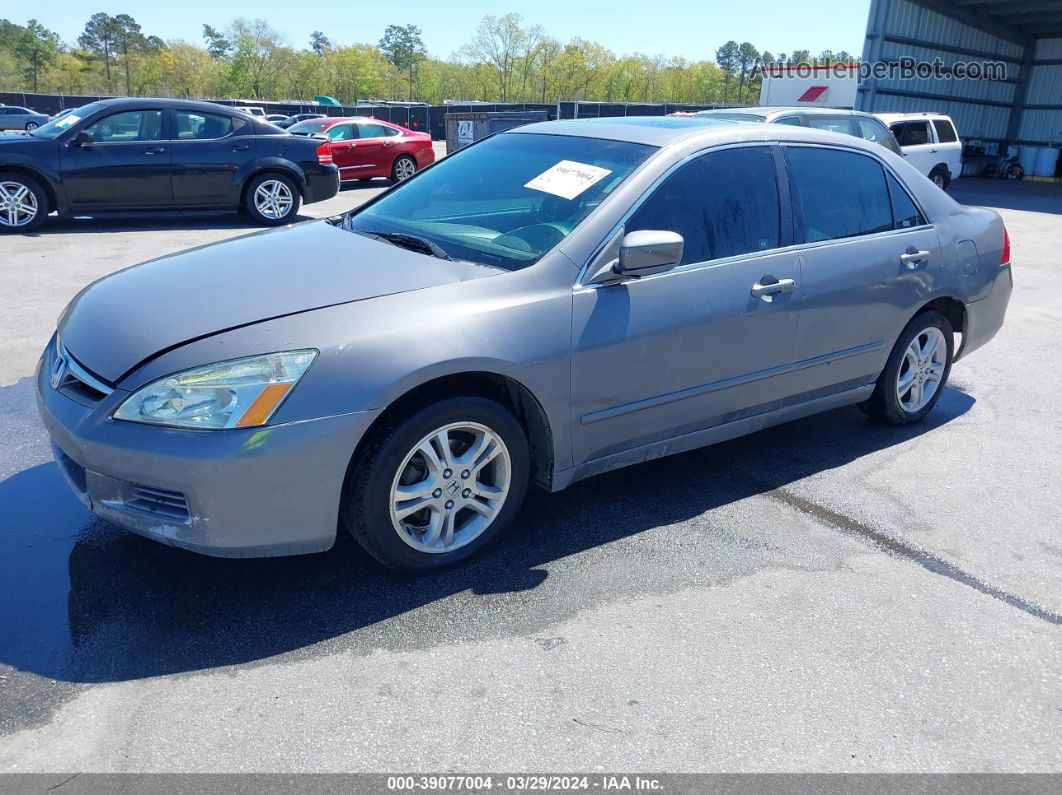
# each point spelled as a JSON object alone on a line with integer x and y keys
{"x": 545, "y": 305}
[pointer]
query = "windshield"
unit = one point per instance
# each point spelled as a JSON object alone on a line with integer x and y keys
{"x": 507, "y": 200}
{"x": 307, "y": 128}
{"x": 68, "y": 119}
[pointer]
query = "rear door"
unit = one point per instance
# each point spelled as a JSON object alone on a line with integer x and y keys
{"x": 916, "y": 140}
{"x": 949, "y": 147}
{"x": 865, "y": 251}
{"x": 208, "y": 151}
{"x": 125, "y": 166}
{"x": 675, "y": 352}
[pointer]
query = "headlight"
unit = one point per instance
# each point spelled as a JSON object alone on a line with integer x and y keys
{"x": 241, "y": 393}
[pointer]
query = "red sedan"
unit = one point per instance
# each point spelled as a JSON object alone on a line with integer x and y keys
{"x": 364, "y": 148}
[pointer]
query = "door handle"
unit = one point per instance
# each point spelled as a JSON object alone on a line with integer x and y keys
{"x": 155, "y": 150}
{"x": 768, "y": 286}
{"x": 241, "y": 148}
{"x": 912, "y": 258}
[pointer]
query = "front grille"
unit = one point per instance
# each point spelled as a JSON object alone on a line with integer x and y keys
{"x": 159, "y": 502}
{"x": 74, "y": 380}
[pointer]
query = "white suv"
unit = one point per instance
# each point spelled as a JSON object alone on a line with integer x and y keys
{"x": 929, "y": 142}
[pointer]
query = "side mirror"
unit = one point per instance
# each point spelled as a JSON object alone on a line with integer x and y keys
{"x": 648, "y": 251}
{"x": 81, "y": 139}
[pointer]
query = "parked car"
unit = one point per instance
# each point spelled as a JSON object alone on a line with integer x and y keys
{"x": 252, "y": 110}
{"x": 930, "y": 143}
{"x": 364, "y": 147}
{"x": 14, "y": 117}
{"x": 848, "y": 122}
{"x": 274, "y": 118}
{"x": 290, "y": 120}
{"x": 547, "y": 304}
{"x": 131, "y": 155}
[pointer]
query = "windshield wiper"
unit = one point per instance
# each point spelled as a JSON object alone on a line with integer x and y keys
{"x": 412, "y": 242}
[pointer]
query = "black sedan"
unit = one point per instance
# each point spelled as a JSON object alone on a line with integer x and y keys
{"x": 136, "y": 155}
{"x": 291, "y": 120}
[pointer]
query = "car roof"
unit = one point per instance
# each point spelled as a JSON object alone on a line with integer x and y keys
{"x": 331, "y": 120}
{"x": 769, "y": 111}
{"x": 891, "y": 117}
{"x": 664, "y": 131}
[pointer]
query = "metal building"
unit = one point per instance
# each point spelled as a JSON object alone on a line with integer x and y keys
{"x": 1026, "y": 35}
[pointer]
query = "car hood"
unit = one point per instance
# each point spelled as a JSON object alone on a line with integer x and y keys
{"x": 126, "y": 318}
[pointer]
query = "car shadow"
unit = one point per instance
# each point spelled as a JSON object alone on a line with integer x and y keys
{"x": 151, "y": 222}
{"x": 82, "y": 601}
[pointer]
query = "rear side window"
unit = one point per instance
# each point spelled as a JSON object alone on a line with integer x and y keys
{"x": 904, "y": 211}
{"x": 912, "y": 133}
{"x": 723, "y": 204}
{"x": 945, "y": 131}
{"x": 373, "y": 130}
{"x": 838, "y": 194}
{"x": 193, "y": 125}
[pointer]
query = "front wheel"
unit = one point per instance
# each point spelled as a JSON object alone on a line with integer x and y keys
{"x": 272, "y": 199}
{"x": 404, "y": 168}
{"x": 31, "y": 125}
{"x": 437, "y": 487}
{"x": 939, "y": 176}
{"x": 916, "y": 372}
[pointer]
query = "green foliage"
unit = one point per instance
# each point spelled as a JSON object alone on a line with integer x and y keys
{"x": 505, "y": 60}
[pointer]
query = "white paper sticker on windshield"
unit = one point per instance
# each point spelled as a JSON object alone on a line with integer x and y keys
{"x": 67, "y": 120}
{"x": 568, "y": 179}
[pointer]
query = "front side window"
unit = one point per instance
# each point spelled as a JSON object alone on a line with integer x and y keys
{"x": 129, "y": 126}
{"x": 723, "y": 204}
{"x": 875, "y": 131}
{"x": 341, "y": 132}
{"x": 912, "y": 133}
{"x": 507, "y": 200}
{"x": 832, "y": 124}
{"x": 193, "y": 125}
{"x": 838, "y": 194}
{"x": 945, "y": 131}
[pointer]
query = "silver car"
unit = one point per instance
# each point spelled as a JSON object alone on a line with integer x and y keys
{"x": 550, "y": 303}
{"x": 13, "y": 117}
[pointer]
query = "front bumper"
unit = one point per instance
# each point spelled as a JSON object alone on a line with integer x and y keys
{"x": 258, "y": 492}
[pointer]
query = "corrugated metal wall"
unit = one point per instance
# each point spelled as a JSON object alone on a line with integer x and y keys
{"x": 905, "y": 19}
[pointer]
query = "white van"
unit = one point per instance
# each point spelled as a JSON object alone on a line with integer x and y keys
{"x": 929, "y": 142}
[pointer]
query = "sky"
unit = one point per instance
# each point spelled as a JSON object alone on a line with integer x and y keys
{"x": 685, "y": 28}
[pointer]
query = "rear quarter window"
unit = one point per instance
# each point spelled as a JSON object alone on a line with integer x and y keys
{"x": 945, "y": 131}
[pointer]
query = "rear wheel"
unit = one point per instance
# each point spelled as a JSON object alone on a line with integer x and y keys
{"x": 439, "y": 486}
{"x": 23, "y": 203}
{"x": 939, "y": 175}
{"x": 272, "y": 199}
{"x": 916, "y": 372}
{"x": 31, "y": 125}
{"x": 404, "y": 168}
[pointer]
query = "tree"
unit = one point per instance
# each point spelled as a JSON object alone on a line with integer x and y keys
{"x": 37, "y": 48}
{"x": 319, "y": 42}
{"x": 100, "y": 37}
{"x": 798, "y": 57}
{"x": 746, "y": 59}
{"x": 129, "y": 41}
{"x": 217, "y": 45}
{"x": 727, "y": 59}
{"x": 404, "y": 49}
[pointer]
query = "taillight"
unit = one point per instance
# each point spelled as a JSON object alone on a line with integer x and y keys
{"x": 324, "y": 153}
{"x": 1006, "y": 249}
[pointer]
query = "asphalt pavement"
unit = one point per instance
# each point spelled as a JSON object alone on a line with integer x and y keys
{"x": 828, "y": 595}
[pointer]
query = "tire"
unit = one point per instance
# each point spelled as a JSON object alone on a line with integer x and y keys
{"x": 417, "y": 541}
{"x": 403, "y": 168}
{"x": 940, "y": 177}
{"x": 30, "y": 195}
{"x": 277, "y": 204}
{"x": 31, "y": 125}
{"x": 892, "y": 404}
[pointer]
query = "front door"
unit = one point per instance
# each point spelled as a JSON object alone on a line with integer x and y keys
{"x": 209, "y": 150}
{"x": 865, "y": 259}
{"x": 372, "y": 145}
{"x": 125, "y": 165}
{"x": 344, "y": 155}
{"x": 676, "y": 352}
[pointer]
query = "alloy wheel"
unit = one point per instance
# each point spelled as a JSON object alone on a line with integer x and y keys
{"x": 273, "y": 199}
{"x": 450, "y": 487}
{"x": 405, "y": 168}
{"x": 922, "y": 369}
{"x": 31, "y": 125}
{"x": 18, "y": 204}
{"x": 938, "y": 180}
